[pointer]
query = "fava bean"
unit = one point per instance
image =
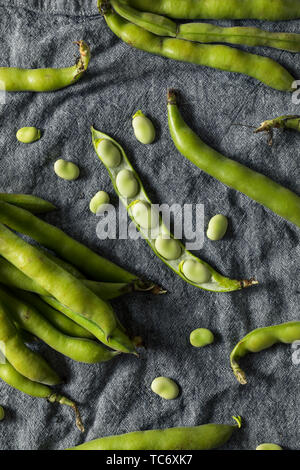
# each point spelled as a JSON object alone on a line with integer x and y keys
{"x": 195, "y": 272}
{"x": 201, "y": 337}
{"x": 166, "y": 388}
{"x": 127, "y": 184}
{"x": 109, "y": 152}
{"x": 219, "y": 9}
{"x": 66, "y": 170}
{"x": 260, "y": 339}
{"x": 2, "y": 413}
{"x": 268, "y": 447}
{"x": 27, "y": 135}
{"x": 16, "y": 79}
{"x": 235, "y": 175}
{"x": 33, "y": 204}
{"x": 205, "y": 437}
{"x": 168, "y": 248}
{"x": 99, "y": 201}
{"x": 13, "y": 378}
{"x": 171, "y": 251}
{"x": 217, "y": 227}
{"x": 143, "y": 128}
{"x": 218, "y": 56}
{"x": 144, "y": 215}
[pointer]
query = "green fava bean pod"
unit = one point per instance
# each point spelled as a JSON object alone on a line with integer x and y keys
{"x": 166, "y": 388}
{"x": 172, "y": 252}
{"x": 205, "y": 437}
{"x": 217, "y": 227}
{"x": 33, "y": 204}
{"x": 256, "y": 186}
{"x": 29, "y": 318}
{"x": 66, "y": 170}
{"x": 40, "y": 80}
{"x": 219, "y": 57}
{"x": 220, "y": 10}
{"x": 27, "y": 135}
{"x": 26, "y": 362}
{"x": 267, "y": 446}
{"x": 69, "y": 290}
{"x": 206, "y": 32}
{"x": 143, "y": 128}
{"x": 260, "y": 339}
{"x": 13, "y": 378}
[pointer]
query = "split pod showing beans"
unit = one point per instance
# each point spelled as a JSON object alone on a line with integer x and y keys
{"x": 205, "y": 437}
{"x": 260, "y": 339}
{"x": 172, "y": 252}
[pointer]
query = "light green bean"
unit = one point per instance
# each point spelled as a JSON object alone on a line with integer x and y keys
{"x": 217, "y": 227}
{"x": 66, "y": 170}
{"x": 143, "y": 128}
{"x": 166, "y": 388}
{"x": 27, "y": 135}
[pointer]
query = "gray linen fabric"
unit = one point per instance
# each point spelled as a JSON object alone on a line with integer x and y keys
{"x": 116, "y": 397}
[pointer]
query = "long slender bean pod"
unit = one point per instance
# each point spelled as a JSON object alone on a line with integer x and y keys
{"x": 29, "y": 318}
{"x": 118, "y": 341}
{"x": 207, "y": 33}
{"x": 58, "y": 282}
{"x": 17, "y": 79}
{"x": 13, "y": 378}
{"x": 219, "y": 57}
{"x": 26, "y": 362}
{"x": 276, "y": 10}
{"x": 205, "y": 437}
{"x": 13, "y": 277}
{"x": 33, "y": 204}
{"x": 86, "y": 260}
{"x": 56, "y": 318}
{"x": 256, "y": 186}
{"x": 181, "y": 261}
{"x": 260, "y": 339}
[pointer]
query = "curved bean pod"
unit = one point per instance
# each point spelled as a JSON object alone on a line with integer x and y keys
{"x": 16, "y": 79}
{"x": 118, "y": 341}
{"x": 13, "y": 378}
{"x": 58, "y": 282}
{"x": 12, "y": 277}
{"x": 261, "y": 189}
{"x": 212, "y": 280}
{"x": 92, "y": 264}
{"x": 26, "y": 362}
{"x": 29, "y": 318}
{"x": 219, "y": 57}
{"x": 205, "y": 437}
{"x": 33, "y": 204}
{"x": 206, "y": 32}
{"x": 56, "y": 318}
{"x": 219, "y": 9}
{"x": 260, "y": 339}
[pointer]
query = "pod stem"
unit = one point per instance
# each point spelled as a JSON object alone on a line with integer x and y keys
{"x": 83, "y": 61}
{"x": 239, "y": 373}
{"x": 171, "y": 96}
{"x": 55, "y": 398}
{"x": 147, "y": 286}
{"x": 104, "y": 6}
{"x": 249, "y": 283}
{"x": 238, "y": 420}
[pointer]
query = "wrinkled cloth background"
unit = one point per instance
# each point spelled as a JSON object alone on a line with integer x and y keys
{"x": 116, "y": 397}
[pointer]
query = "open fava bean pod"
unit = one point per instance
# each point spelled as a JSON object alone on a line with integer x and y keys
{"x": 172, "y": 252}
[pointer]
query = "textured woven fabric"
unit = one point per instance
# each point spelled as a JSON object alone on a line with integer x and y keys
{"x": 116, "y": 397}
